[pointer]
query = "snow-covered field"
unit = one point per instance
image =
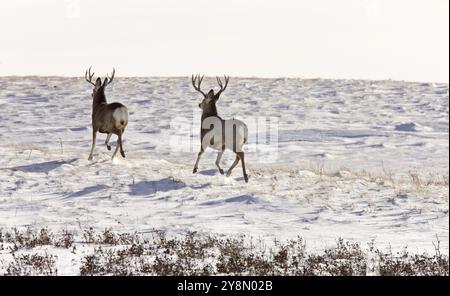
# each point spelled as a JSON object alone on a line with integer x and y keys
{"x": 361, "y": 160}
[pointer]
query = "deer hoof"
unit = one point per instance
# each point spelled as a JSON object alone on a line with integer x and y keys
{"x": 221, "y": 171}
{"x": 194, "y": 170}
{"x": 122, "y": 153}
{"x": 246, "y": 178}
{"x": 90, "y": 157}
{"x": 109, "y": 147}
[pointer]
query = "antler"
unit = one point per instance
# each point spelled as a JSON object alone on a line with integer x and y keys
{"x": 90, "y": 76}
{"x": 109, "y": 79}
{"x": 222, "y": 88}
{"x": 194, "y": 80}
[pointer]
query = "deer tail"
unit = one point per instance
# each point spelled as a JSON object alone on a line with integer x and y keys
{"x": 120, "y": 116}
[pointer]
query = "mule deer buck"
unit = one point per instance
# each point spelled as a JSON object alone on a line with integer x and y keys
{"x": 218, "y": 133}
{"x": 106, "y": 118}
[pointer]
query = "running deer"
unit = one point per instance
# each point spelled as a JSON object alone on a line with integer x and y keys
{"x": 106, "y": 118}
{"x": 218, "y": 133}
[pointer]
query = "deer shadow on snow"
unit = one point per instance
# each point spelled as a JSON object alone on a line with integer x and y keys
{"x": 214, "y": 172}
{"x": 210, "y": 172}
{"x": 143, "y": 188}
{"x": 87, "y": 190}
{"x": 247, "y": 199}
{"x": 43, "y": 167}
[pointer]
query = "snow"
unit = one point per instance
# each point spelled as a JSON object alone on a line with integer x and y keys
{"x": 344, "y": 164}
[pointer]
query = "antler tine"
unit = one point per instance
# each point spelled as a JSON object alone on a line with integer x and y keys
{"x": 222, "y": 87}
{"x": 110, "y": 79}
{"x": 90, "y": 76}
{"x": 112, "y": 74}
{"x": 219, "y": 82}
{"x": 194, "y": 80}
{"x": 200, "y": 79}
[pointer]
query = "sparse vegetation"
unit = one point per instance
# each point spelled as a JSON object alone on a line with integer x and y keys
{"x": 32, "y": 264}
{"x": 30, "y": 238}
{"x": 111, "y": 253}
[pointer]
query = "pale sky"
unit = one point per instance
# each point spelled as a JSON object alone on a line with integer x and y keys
{"x": 362, "y": 39}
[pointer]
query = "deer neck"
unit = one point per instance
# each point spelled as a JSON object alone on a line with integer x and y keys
{"x": 210, "y": 112}
{"x": 99, "y": 99}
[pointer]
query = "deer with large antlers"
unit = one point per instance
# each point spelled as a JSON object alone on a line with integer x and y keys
{"x": 106, "y": 118}
{"x": 218, "y": 133}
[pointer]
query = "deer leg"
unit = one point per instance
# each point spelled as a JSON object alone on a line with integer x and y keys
{"x": 233, "y": 165}
{"x": 121, "y": 146}
{"x": 117, "y": 146}
{"x": 219, "y": 156}
{"x": 241, "y": 156}
{"x": 107, "y": 141}
{"x": 94, "y": 137}
{"x": 198, "y": 160}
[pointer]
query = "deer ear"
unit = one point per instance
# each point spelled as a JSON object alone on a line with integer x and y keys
{"x": 105, "y": 82}
{"x": 210, "y": 94}
{"x": 98, "y": 82}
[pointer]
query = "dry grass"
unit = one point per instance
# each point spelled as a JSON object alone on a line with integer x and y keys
{"x": 113, "y": 253}
{"x": 31, "y": 238}
{"x": 411, "y": 181}
{"x": 32, "y": 264}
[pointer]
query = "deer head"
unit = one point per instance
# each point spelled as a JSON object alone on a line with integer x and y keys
{"x": 99, "y": 87}
{"x": 209, "y": 99}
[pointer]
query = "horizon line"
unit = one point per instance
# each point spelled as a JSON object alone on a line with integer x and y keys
{"x": 237, "y": 76}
